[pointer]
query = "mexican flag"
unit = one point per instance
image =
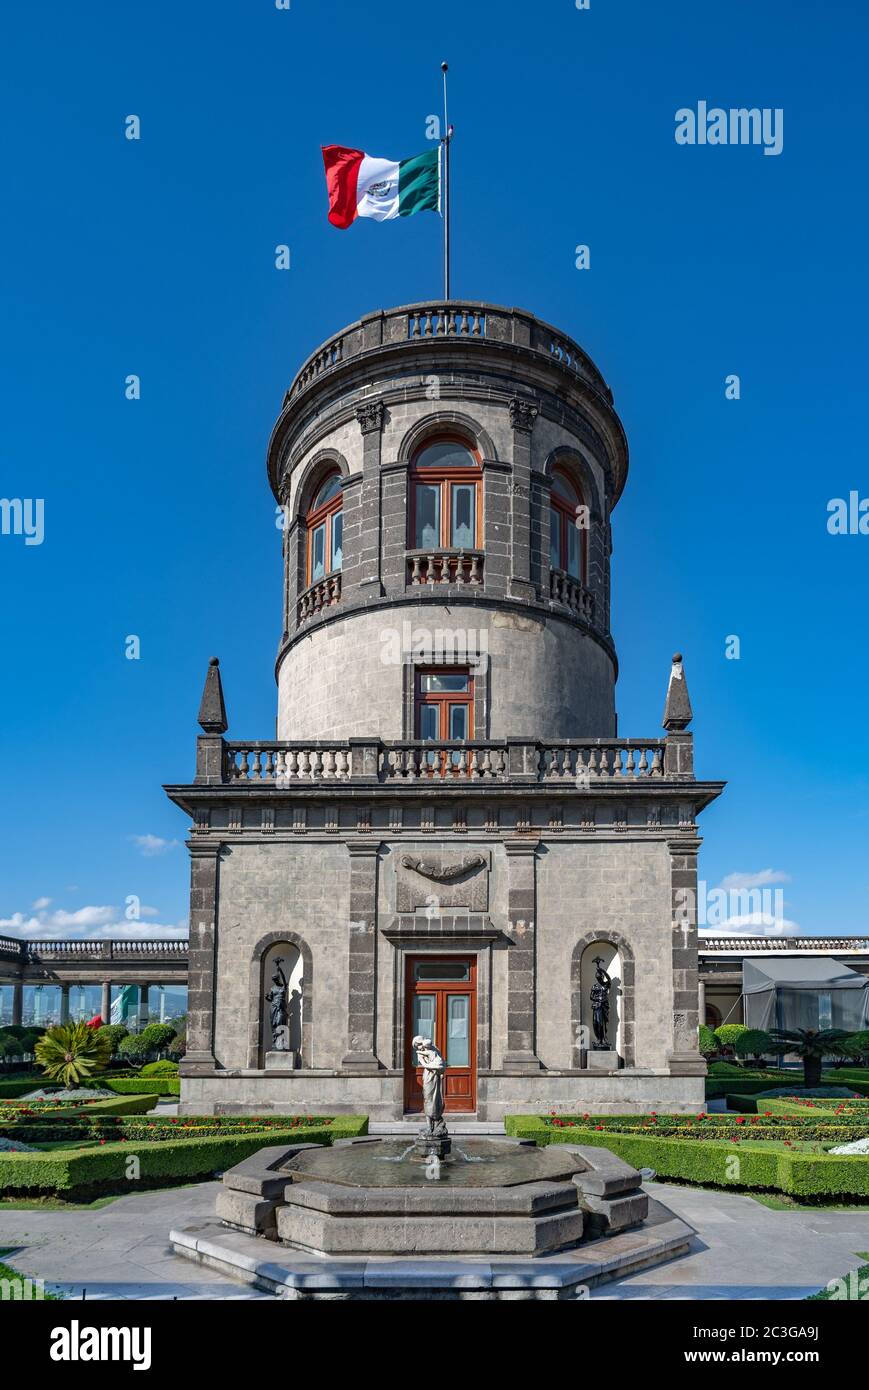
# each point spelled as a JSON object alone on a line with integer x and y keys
{"x": 362, "y": 186}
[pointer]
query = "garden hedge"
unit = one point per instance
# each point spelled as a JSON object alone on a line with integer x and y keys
{"x": 12, "y": 1115}
{"x": 142, "y": 1085}
{"x": 822, "y": 1107}
{"x": 92, "y": 1172}
{"x": 11, "y": 1090}
{"x": 710, "y": 1162}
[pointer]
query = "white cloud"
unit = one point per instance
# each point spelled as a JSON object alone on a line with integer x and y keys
{"x": 753, "y": 924}
{"x": 152, "y": 845}
{"x": 93, "y": 923}
{"x": 761, "y": 879}
{"x": 41, "y": 903}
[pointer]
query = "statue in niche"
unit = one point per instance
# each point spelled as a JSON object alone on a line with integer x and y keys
{"x": 279, "y": 1009}
{"x": 599, "y": 994}
{"x": 433, "y": 1064}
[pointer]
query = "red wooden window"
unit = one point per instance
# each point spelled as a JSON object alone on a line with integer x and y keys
{"x": 324, "y": 525}
{"x": 566, "y": 537}
{"x": 444, "y": 704}
{"x": 446, "y": 487}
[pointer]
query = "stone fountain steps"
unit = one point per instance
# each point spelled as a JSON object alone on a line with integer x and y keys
{"x": 567, "y": 1275}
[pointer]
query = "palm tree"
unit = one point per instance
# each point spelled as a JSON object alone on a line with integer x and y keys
{"x": 812, "y": 1045}
{"x": 72, "y": 1053}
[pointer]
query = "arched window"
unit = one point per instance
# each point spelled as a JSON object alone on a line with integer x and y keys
{"x": 446, "y": 480}
{"x": 566, "y": 546}
{"x": 325, "y": 527}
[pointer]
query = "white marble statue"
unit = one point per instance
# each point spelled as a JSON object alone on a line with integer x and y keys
{"x": 433, "y": 1064}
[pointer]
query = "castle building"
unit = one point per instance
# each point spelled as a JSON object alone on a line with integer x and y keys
{"x": 448, "y": 837}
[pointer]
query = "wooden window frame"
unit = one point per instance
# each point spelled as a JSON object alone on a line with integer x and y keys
{"x": 443, "y": 699}
{"x": 567, "y": 518}
{"x": 326, "y": 512}
{"x": 445, "y": 479}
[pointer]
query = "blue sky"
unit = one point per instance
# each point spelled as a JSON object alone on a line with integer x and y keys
{"x": 156, "y": 257}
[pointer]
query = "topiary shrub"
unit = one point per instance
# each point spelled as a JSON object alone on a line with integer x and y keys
{"x": 134, "y": 1048}
{"x": 727, "y": 1034}
{"x": 158, "y": 1036}
{"x": 856, "y": 1046}
{"x": 164, "y": 1068}
{"x": 708, "y": 1041}
{"x": 115, "y": 1032}
{"x": 10, "y": 1048}
{"x": 754, "y": 1042}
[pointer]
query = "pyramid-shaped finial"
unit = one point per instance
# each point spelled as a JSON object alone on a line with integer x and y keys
{"x": 212, "y": 710}
{"x": 677, "y": 706}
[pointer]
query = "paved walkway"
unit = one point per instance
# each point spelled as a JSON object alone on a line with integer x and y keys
{"x": 743, "y": 1250}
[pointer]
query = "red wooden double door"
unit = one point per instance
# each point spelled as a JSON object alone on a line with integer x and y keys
{"x": 441, "y": 994}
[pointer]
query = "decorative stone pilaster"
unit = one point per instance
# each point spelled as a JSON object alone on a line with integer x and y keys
{"x": 204, "y": 873}
{"x": 106, "y": 1002}
{"x": 685, "y": 1058}
{"x": 17, "y": 1003}
{"x": 368, "y": 576}
{"x": 362, "y": 954}
{"x": 64, "y": 1003}
{"x": 521, "y": 1054}
{"x": 523, "y": 413}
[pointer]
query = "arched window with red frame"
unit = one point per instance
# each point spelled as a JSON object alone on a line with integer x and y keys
{"x": 566, "y": 534}
{"x": 445, "y": 504}
{"x": 324, "y": 525}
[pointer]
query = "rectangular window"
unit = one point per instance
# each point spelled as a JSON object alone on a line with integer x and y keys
{"x": 337, "y": 540}
{"x": 428, "y": 517}
{"x": 554, "y": 539}
{"x": 442, "y": 970}
{"x": 429, "y": 724}
{"x": 430, "y": 683}
{"x": 463, "y": 534}
{"x": 458, "y": 721}
{"x": 458, "y": 1017}
{"x": 318, "y": 552}
{"x": 444, "y": 703}
{"x": 573, "y": 550}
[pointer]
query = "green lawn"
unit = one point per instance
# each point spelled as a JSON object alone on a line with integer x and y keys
{"x": 850, "y": 1287}
{"x": 13, "y": 1276}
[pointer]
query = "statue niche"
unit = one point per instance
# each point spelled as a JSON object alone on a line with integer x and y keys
{"x": 281, "y": 1022}
{"x": 600, "y": 984}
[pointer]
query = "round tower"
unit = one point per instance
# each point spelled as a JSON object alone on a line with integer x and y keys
{"x": 447, "y": 476}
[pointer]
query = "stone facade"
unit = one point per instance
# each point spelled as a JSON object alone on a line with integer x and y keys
{"x": 516, "y": 849}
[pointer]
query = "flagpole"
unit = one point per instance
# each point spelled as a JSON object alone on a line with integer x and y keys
{"x": 445, "y": 142}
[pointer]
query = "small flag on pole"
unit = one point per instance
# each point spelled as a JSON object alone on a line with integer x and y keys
{"x": 360, "y": 185}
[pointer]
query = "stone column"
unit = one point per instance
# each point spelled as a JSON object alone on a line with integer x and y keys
{"x": 362, "y": 946}
{"x": 64, "y": 1003}
{"x": 204, "y": 870}
{"x": 685, "y": 1058}
{"x": 701, "y": 1003}
{"x": 370, "y": 417}
{"x": 521, "y": 1054}
{"x": 17, "y": 1003}
{"x": 106, "y": 1002}
{"x": 523, "y": 413}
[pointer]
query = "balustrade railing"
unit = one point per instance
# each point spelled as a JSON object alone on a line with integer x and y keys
{"x": 284, "y": 764}
{"x": 447, "y": 320}
{"x": 99, "y": 949}
{"x": 579, "y": 761}
{"x": 563, "y": 588}
{"x": 325, "y": 593}
{"x": 445, "y": 566}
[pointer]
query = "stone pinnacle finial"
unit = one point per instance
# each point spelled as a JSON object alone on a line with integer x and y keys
{"x": 677, "y": 706}
{"x": 212, "y": 710}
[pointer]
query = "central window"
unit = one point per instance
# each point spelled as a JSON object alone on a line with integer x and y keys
{"x": 565, "y": 536}
{"x": 444, "y": 705}
{"x": 445, "y": 497}
{"x": 325, "y": 529}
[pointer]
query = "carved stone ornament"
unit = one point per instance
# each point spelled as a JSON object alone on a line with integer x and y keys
{"x": 443, "y": 873}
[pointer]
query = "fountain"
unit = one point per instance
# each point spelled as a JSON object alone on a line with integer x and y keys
{"x": 440, "y": 1216}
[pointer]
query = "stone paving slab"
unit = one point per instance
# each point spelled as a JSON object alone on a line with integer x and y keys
{"x": 743, "y": 1250}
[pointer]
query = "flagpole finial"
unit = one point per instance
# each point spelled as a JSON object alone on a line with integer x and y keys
{"x": 445, "y": 67}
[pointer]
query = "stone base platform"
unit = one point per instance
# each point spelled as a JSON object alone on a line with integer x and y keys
{"x": 567, "y": 1275}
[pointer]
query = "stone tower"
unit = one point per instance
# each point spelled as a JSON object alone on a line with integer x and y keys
{"x": 447, "y": 835}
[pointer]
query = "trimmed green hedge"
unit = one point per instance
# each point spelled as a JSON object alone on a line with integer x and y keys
{"x": 854, "y": 1111}
{"x": 89, "y": 1172}
{"x": 142, "y": 1085}
{"x": 13, "y": 1115}
{"x": 11, "y": 1090}
{"x": 749, "y": 1083}
{"x": 711, "y": 1162}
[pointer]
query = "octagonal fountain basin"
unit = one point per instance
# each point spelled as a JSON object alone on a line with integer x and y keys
{"x": 375, "y": 1218}
{"x": 471, "y": 1163}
